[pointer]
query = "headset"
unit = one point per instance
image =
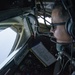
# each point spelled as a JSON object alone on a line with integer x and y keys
{"x": 70, "y": 25}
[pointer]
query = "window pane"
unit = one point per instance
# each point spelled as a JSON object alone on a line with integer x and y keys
{"x": 41, "y": 20}
{"x": 7, "y": 39}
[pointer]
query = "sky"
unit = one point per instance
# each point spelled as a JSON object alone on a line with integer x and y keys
{"x": 7, "y": 39}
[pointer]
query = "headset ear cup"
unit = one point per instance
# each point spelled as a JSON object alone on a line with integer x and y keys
{"x": 69, "y": 26}
{"x": 66, "y": 26}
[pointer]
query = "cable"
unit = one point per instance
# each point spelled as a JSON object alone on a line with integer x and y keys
{"x": 61, "y": 68}
{"x": 68, "y": 5}
{"x": 71, "y": 56}
{"x": 44, "y": 13}
{"x": 37, "y": 25}
{"x": 46, "y": 20}
{"x": 41, "y": 2}
{"x": 66, "y": 64}
{"x": 53, "y": 39}
{"x": 46, "y": 34}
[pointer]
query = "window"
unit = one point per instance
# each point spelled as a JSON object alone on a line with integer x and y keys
{"x": 41, "y": 20}
{"x": 7, "y": 39}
